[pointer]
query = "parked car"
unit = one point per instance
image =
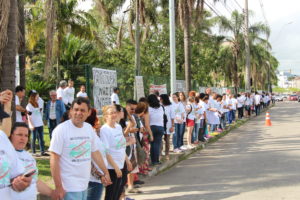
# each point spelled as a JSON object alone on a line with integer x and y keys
{"x": 278, "y": 98}
{"x": 293, "y": 97}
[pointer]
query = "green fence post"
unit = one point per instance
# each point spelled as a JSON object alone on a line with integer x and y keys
{"x": 87, "y": 80}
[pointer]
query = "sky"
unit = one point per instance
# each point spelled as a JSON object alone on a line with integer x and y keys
{"x": 282, "y": 16}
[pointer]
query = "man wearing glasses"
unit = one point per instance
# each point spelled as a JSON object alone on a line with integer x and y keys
{"x": 54, "y": 111}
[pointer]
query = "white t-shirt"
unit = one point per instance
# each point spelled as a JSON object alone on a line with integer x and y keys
{"x": 115, "y": 141}
{"x": 81, "y": 94}
{"x": 240, "y": 102}
{"x": 199, "y": 113}
{"x": 61, "y": 94}
{"x": 203, "y": 106}
{"x": 74, "y": 145}
{"x": 10, "y": 166}
{"x": 156, "y": 116}
{"x": 18, "y": 113}
{"x": 115, "y": 98}
{"x": 213, "y": 117}
{"x": 247, "y": 101}
{"x": 234, "y": 103}
{"x": 36, "y": 116}
{"x": 257, "y": 99}
{"x": 41, "y": 104}
{"x": 52, "y": 112}
{"x": 29, "y": 164}
{"x": 170, "y": 115}
{"x": 69, "y": 94}
{"x": 190, "y": 111}
{"x": 103, "y": 150}
{"x": 224, "y": 103}
{"x": 178, "y": 110}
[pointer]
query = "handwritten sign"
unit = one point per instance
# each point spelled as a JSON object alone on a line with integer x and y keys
{"x": 162, "y": 89}
{"x": 139, "y": 85}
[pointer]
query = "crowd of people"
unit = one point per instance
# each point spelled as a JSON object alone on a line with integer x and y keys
{"x": 89, "y": 153}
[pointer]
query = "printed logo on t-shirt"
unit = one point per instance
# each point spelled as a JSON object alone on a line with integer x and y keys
{"x": 29, "y": 166}
{"x": 80, "y": 151}
{"x": 120, "y": 143}
{"x": 4, "y": 170}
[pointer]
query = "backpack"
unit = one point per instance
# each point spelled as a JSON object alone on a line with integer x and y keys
{"x": 165, "y": 119}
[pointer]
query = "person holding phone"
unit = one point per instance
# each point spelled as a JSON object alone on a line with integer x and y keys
{"x": 11, "y": 168}
{"x": 19, "y": 138}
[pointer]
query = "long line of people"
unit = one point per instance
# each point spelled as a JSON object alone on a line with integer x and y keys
{"x": 88, "y": 153}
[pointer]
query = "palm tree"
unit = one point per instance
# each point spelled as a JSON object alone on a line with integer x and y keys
{"x": 63, "y": 18}
{"x": 234, "y": 26}
{"x": 9, "y": 49}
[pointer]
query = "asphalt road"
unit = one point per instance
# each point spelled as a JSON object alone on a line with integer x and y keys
{"x": 253, "y": 162}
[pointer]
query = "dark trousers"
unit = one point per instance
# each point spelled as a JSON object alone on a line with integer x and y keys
{"x": 182, "y": 134}
{"x": 240, "y": 112}
{"x": 52, "y": 125}
{"x": 257, "y": 109}
{"x": 177, "y": 135}
{"x": 202, "y": 130}
{"x": 113, "y": 191}
{"x": 38, "y": 133}
{"x": 158, "y": 132}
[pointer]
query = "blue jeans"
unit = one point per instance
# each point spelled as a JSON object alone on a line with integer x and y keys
{"x": 38, "y": 133}
{"x": 229, "y": 117}
{"x": 75, "y": 195}
{"x": 158, "y": 132}
{"x": 257, "y": 109}
{"x": 52, "y": 125}
{"x": 233, "y": 115}
{"x": 213, "y": 127}
{"x": 94, "y": 191}
{"x": 177, "y": 135}
{"x": 223, "y": 121}
{"x": 182, "y": 134}
{"x": 195, "y": 134}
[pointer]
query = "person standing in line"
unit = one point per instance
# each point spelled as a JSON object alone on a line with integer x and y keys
{"x": 112, "y": 136}
{"x": 115, "y": 96}
{"x": 248, "y": 104}
{"x": 198, "y": 116}
{"x": 156, "y": 114}
{"x": 19, "y": 138}
{"x": 233, "y": 106}
{"x": 212, "y": 113}
{"x": 82, "y": 92}
{"x": 20, "y": 94}
{"x": 36, "y": 124}
{"x": 257, "y": 99}
{"x": 72, "y": 149}
{"x": 179, "y": 111}
{"x": 203, "y": 104}
{"x": 190, "y": 120}
{"x": 167, "y": 105}
{"x": 240, "y": 104}
{"x": 225, "y": 110}
{"x": 55, "y": 109}
{"x": 61, "y": 92}
{"x": 182, "y": 99}
{"x": 69, "y": 93}
{"x": 9, "y": 162}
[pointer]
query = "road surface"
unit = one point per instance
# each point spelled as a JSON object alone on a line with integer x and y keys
{"x": 253, "y": 162}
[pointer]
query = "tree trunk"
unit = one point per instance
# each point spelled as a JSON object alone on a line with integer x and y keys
{"x": 235, "y": 75}
{"x": 22, "y": 46}
{"x": 9, "y": 52}
{"x": 187, "y": 49}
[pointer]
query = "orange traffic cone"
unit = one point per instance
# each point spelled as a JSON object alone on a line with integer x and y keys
{"x": 268, "y": 119}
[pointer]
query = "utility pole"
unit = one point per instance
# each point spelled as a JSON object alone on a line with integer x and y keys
{"x": 246, "y": 38}
{"x": 137, "y": 45}
{"x": 172, "y": 45}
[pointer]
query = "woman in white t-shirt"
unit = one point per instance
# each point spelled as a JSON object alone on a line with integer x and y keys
{"x": 167, "y": 105}
{"x": 190, "y": 120}
{"x": 111, "y": 134}
{"x": 19, "y": 138}
{"x": 198, "y": 116}
{"x": 82, "y": 92}
{"x": 179, "y": 112}
{"x": 35, "y": 120}
{"x": 183, "y": 100}
{"x": 156, "y": 114}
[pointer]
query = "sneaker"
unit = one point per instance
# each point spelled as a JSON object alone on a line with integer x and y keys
{"x": 134, "y": 191}
{"x": 139, "y": 182}
{"x": 163, "y": 153}
{"x": 45, "y": 154}
{"x": 177, "y": 151}
{"x": 190, "y": 147}
{"x": 127, "y": 198}
{"x": 183, "y": 148}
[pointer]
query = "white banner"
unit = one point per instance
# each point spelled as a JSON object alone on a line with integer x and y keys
{"x": 162, "y": 89}
{"x": 139, "y": 85}
{"x": 104, "y": 82}
{"x": 180, "y": 86}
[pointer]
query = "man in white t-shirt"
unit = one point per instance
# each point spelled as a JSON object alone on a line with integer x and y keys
{"x": 11, "y": 168}
{"x": 61, "y": 92}
{"x": 20, "y": 94}
{"x": 72, "y": 149}
{"x": 69, "y": 93}
{"x": 257, "y": 99}
{"x": 115, "y": 96}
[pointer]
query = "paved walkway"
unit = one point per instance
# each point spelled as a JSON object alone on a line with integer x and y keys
{"x": 253, "y": 162}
